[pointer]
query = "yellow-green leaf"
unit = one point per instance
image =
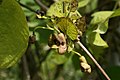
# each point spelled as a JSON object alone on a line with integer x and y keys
{"x": 14, "y": 33}
{"x": 59, "y": 9}
{"x": 66, "y": 26}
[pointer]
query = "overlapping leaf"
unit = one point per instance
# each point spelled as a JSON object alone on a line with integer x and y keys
{"x": 100, "y": 19}
{"x": 66, "y": 26}
{"x": 62, "y": 8}
{"x": 58, "y": 9}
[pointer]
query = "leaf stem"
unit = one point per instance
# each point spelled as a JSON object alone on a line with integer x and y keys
{"x": 93, "y": 59}
{"x": 76, "y": 53}
{"x": 39, "y": 27}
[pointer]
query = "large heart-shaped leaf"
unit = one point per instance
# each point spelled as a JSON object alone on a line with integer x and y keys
{"x": 13, "y": 33}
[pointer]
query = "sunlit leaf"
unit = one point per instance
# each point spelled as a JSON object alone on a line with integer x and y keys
{"x": 13, "y": 33}
{"x": 66, "y": 26}
{"x": 100, "y": 21}
{"x": 102, "y": 28}
{"x": 101, "y": 16}
{"x": 59, "y": 9}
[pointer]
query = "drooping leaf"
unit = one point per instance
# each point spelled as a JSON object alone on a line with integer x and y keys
{"x": 102, "y": 27}
{"x": 13, "y": 33}
{"x": 101, "y": 16}
{"x": 100, "y": 20}
{"x": 94, "y": 38}
{"x": 66, "y": 26}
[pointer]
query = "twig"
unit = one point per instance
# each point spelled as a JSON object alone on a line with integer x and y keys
{"x": 27, "y": 7}
{"x": 93, "y": 59}
{"x": 41, "y": 5}
{"x": 25, "y": 66}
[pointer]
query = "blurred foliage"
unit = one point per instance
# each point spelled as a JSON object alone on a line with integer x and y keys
{"x": 46, "y": 64}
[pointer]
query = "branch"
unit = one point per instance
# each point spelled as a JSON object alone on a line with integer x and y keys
{"x": 93, "y": 59}
{"x": 25, "y": 66}
{"x": 32, "y": 10}
{"x": 44, "y": 7}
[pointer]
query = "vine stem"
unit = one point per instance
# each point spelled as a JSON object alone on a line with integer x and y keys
{"x": 93, "y": 59}
{"x": 76, "y": 53}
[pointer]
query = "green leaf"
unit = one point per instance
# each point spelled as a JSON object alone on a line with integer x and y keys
{"x": 14, "y": 33}
{"x": 116, "y": 13}
{"x": 95, "y": 39}
{"x": 83, "y": 3}
{"x": 59, "y": 9}
{"x": 102, "y": 28}
{"x": 66, "y": 26}
{"x": 100, "y": 20}
{"x": 100, "y": 16}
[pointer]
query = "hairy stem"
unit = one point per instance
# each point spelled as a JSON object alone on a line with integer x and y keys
{"x": 93, "y": 59}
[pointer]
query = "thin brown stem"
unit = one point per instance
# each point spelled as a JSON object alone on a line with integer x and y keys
{"x": 93, "y": 59}
{"x": 25, "y": 66}
{"x": 44, "y": 7}
{"x": 32, "y": 10}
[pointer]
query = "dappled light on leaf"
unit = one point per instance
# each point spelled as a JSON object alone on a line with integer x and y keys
{"x": 14, "y": 33}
